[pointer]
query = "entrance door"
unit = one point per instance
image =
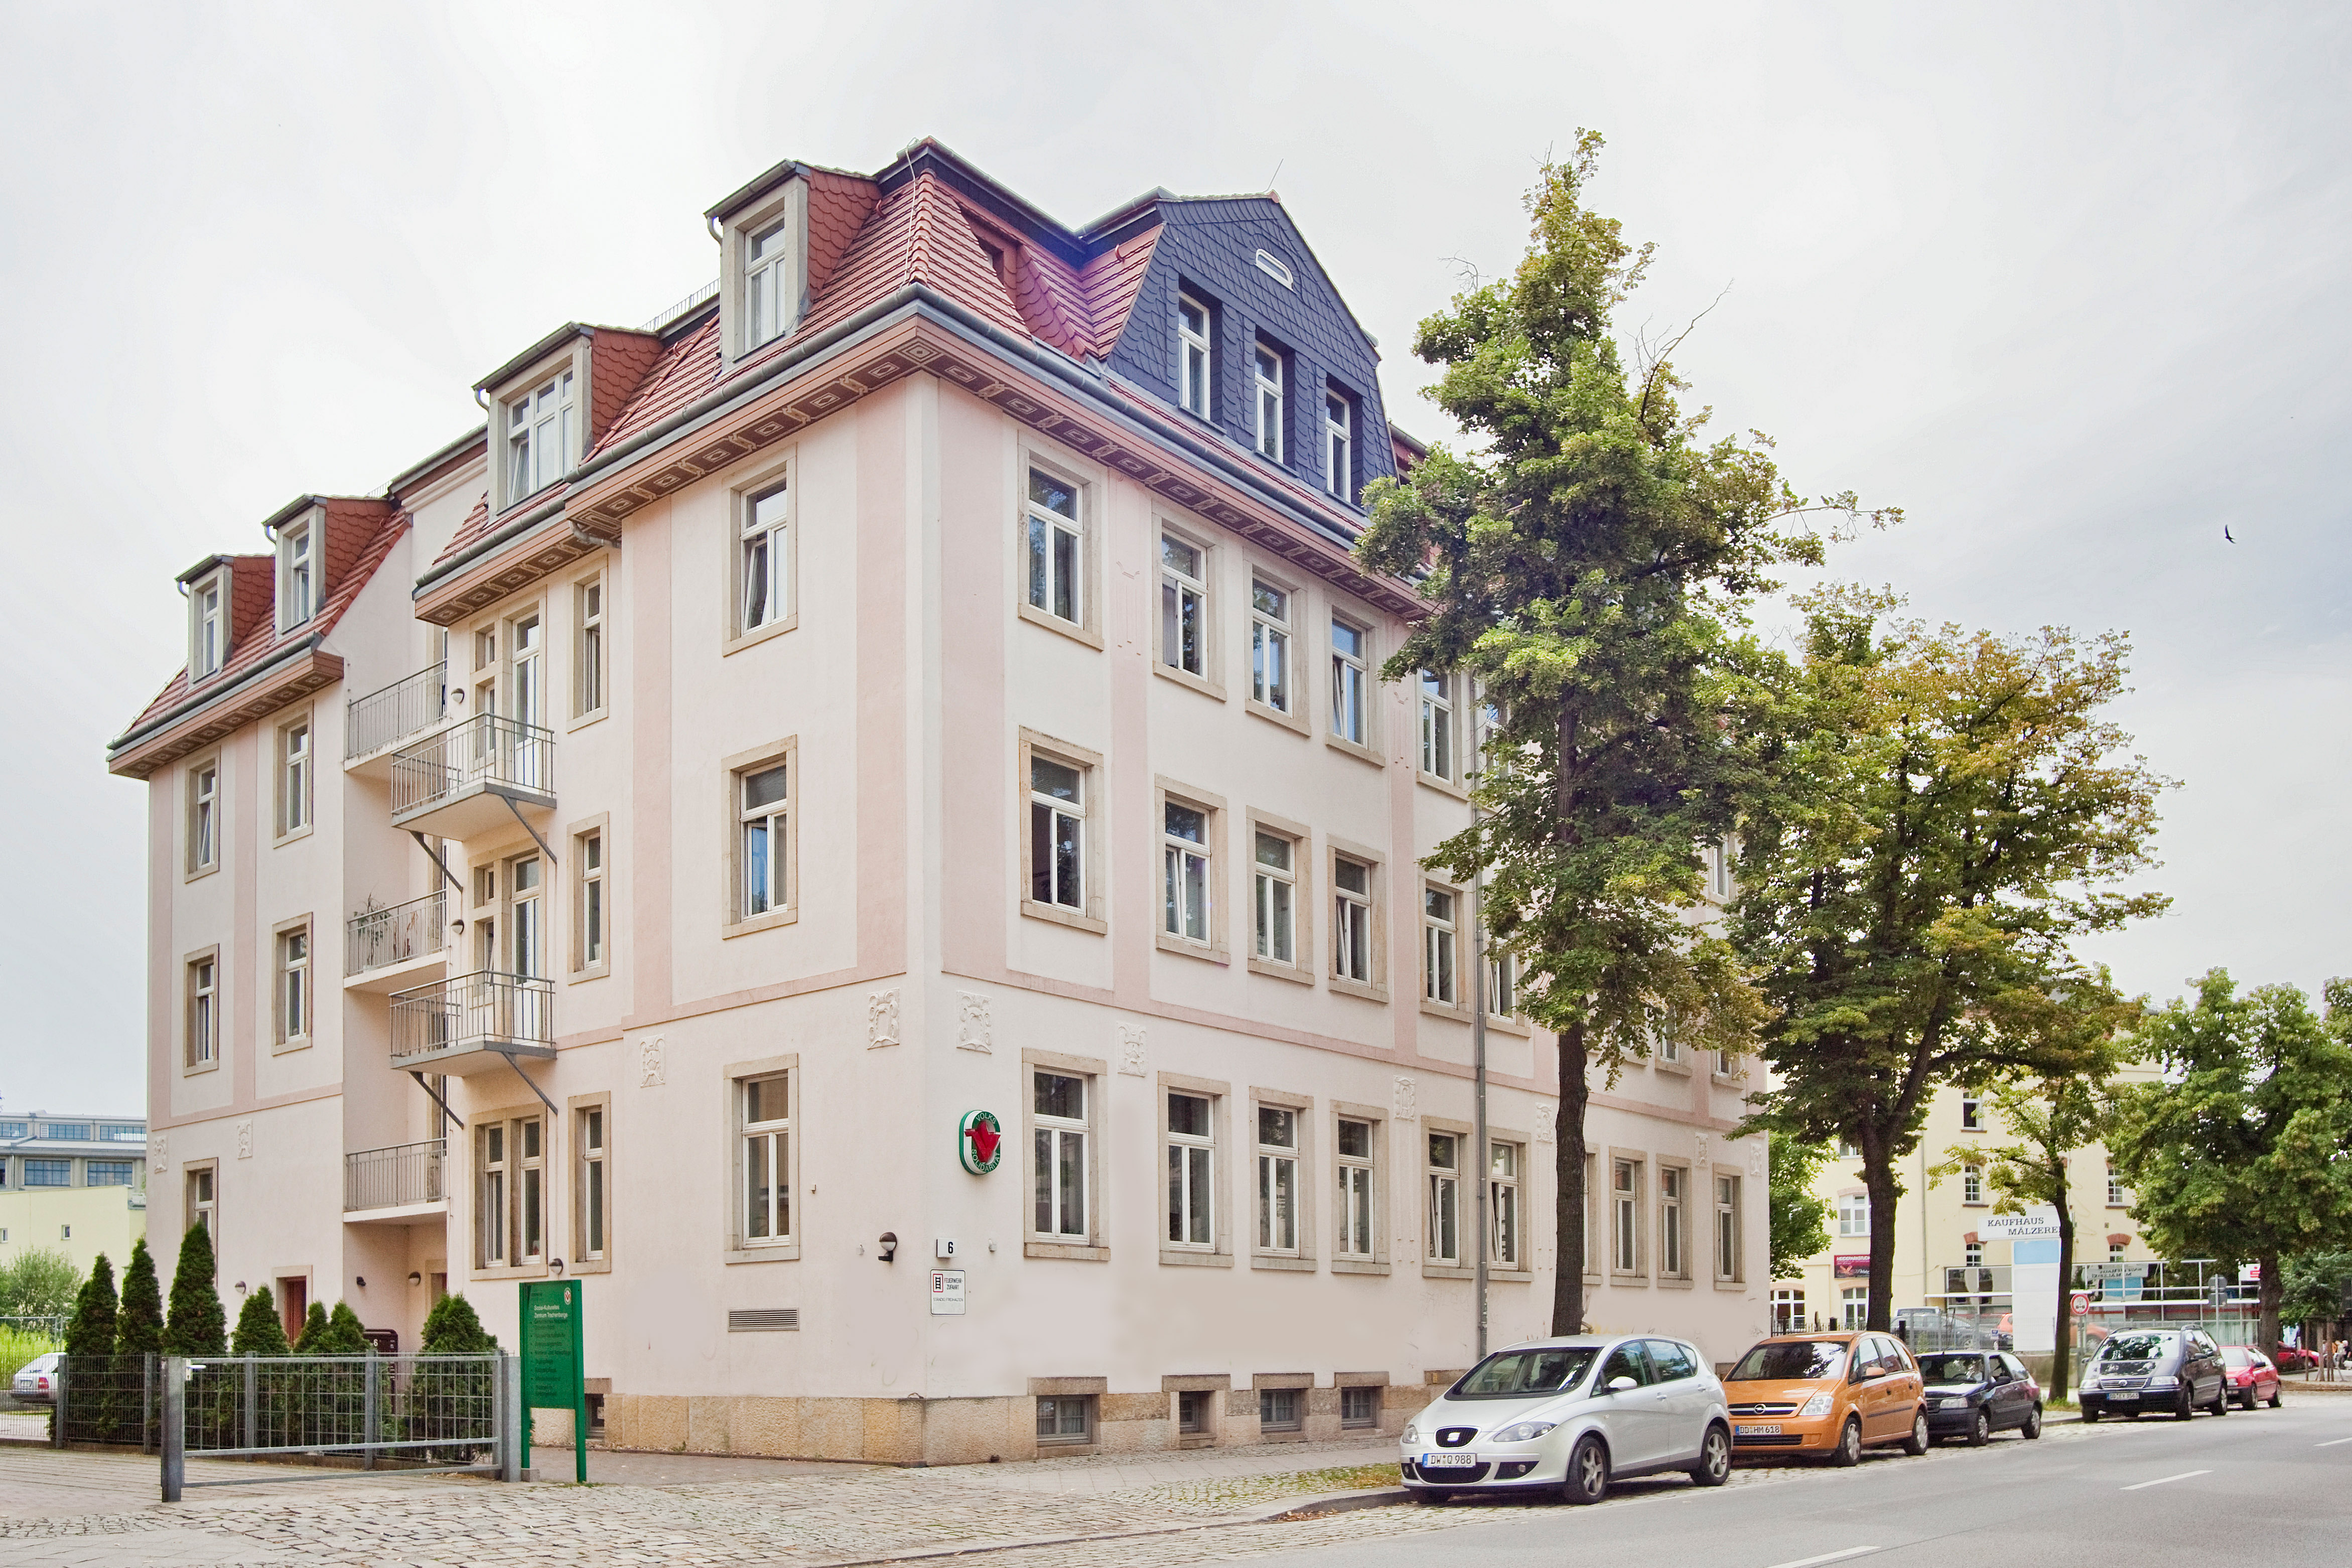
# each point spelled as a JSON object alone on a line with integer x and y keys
{"x": 525, "y": 937}
{"x": 528, "y": 685}
{"x": 293, "y": 1304}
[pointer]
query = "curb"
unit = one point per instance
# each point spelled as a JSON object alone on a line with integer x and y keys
{"x": 1302, "y": 1507}
{"x": 1330, "y": 1504}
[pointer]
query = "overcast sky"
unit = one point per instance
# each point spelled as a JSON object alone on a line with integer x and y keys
{"x": 2065, "y": 282}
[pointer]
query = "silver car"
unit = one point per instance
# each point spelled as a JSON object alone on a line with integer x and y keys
{"x": 1571, "y": 1414}
{"x": 37, "y": 1380}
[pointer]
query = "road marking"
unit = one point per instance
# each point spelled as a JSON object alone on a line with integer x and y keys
{"x": 2160, "y": 1480}
{"x": 2331, "y": 1444}
{"x": 1830, "y": 1557}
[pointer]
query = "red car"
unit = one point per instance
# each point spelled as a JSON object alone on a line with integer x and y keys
{"x": 2293, "y": 1359}
{"x": 2249, "y": 1376}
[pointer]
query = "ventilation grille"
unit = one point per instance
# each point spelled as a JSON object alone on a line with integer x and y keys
{"x": 764, "y": 1319}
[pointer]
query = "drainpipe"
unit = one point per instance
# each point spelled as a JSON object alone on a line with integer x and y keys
{"x": 1478, "y": 1078}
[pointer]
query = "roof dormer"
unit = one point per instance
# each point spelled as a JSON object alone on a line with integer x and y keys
{"x": 300, "y": 533}
{"x": 549, "y": 404}
{"x": 764, "y": 265}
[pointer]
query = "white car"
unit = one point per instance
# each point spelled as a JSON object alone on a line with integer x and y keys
{"x": 1570, "y": 1414}
{"x": 37, "y": 1380}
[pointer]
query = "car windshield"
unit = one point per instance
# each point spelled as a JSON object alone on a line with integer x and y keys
{"x": 1785, "y": 1359}
{"x": 2135, "y": 1347}
{"x": 1515, "y": 1374}
{"x": 1952, "y": 1368}
{"x": 2236, "y": 1358}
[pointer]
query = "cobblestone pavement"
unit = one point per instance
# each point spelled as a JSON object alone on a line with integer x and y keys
{"x": 1145, "y": 1512}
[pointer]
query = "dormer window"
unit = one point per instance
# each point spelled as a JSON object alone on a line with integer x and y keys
{"x": 767, "y": 275}
{"x": 542, "y": 439}
{"x": 1192, "y": 358}
{"x": 1269, "y": 402}
{"x": 298, "y": 598}
{"x": 1339, "y": 427}
{"x": 207, "y": 627}
{"x": 763, "y": 264}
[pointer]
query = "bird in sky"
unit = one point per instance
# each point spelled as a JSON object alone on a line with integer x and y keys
{"x": 2227, "y": 535}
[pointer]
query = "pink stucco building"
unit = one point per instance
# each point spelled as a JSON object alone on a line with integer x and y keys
{"x": 923, "y": 674}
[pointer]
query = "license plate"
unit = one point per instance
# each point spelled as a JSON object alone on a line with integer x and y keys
{"x": 2123, "y": 1399}
{"x": 1449, "y": 1461}
{"x": 1772, "y": 1431}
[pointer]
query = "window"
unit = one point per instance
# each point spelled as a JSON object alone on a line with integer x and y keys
{"x": 492, "y": 1191}
{"x": 1184, "y": 854}
{"x": 1193, "y": 355}
{"x": 106, "y": 1173}
{"x": 1853, "y": 1303}
{"x": 588, "y": 857}
{"x": 1360, "y": 1407}
{"x": 1788, "y": 1310}
{"x": 1352, "y": 920}
{"x": 588, "y": 663}
{"x": 201, "y": 1208}
{"x": 1357, "y": 1189}
{"x": 1183, "y": 606}
{"x": 75, "y": 1131}
{"x": 207, "y": 629}
{"x": 511, "y": 1194}
{"x": 2114, "y": 1251}
{"x": 1193, "y": 1414}
{"x": 1501, "y": 991}
{"x": 1625, "y": 1217}
{"x": 204, "y": 816}
{"x": 764, "y": 560}
{"x": 1338, "y": 424}
{"x": 117, "y": 1132}
{"x": 1436, "y": 726}
{"x": 2117, "y": 1196}
{"x": 1277, "y": 1180}
{"x": 293, "y": 985}
{"x": 540, "y": 438}
{"x": 1438, "y": 982}
{"x": 1971, "y": 1113}
{"x": 48, "y": 1173}
{"x": 525, "y": 951}
{"x": 1268, "y": 377}
{"x": 763, "y": 1108}
{"x": 294, "y": 776}
{"x": 589, "y": 1136}
{"x": 1971, "y": 1185}
{"x": 1350, "y": 675}
{"x": 1854, "y": 1214}
{"x": 765, "y": 813}
{"x": 1192, "y": 1170}
{"x": 1280, "y": 1410}
{"x": 767, "y": 284}
{"x": 1671, "y": 1189}
{"x": 1444, "y": 1187}
{"x": 1056, "y": 549}
{"x": 1058, "y": 854}
{"x": 1727, "y": 1227}
{"x": 1274, "y": 888}
{"x": 297, "y": 576}
{"x": 1972, "y": 1254}
{"x": 1270, "y": 645}
{"x": 1066, "y": 1419}
{"x": 1059, "y": 1123}
{"x": 1846, "y": 1149}
{"x": 1666, "y": 1049}
{"x": 203, "y": 1014}
{"x": 1504, "y": 1162}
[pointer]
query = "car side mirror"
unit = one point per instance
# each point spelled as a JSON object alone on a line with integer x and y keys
{"x": 1623, "y": 1384}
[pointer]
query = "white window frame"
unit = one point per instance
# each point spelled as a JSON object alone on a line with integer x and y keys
{"x": 1853, "y": 1214}
{"x": 1438, "y": 740}
{"x": 1086, "y": 813}
{"x": 765, "y": 852}
{"x": 1274, "y": 670}
{"x": 1730, "y": 1254}
{"x": 2116, "y": 1251}
{"x": 1352, "y": 687}
{"x": 1047, "y": 1136}
{"x": 1053, "y": 576}
{"x": 1674, "y": 1214}
{"x": 1269, "y": 398}
{"x": 200, "y": 1045}
{"x": 1054, "y": 1428}
{"x": 1357, "y": 1214}
{"x": 592, "y": 902}
{"x": 296, "y": 776}
{"x": 1789, "y": 1308}
{"x": 1853, "y": 1308}
{"x": 2118, "y": 1195}
{"x": 201, "y": 1189}
{"x": 1274, "y": 1164}
{"x": 1191, "y": 1161}
{"x": 1186, "y": 597}
{"x": 591, "y": 669}
{"x": 1276, "y": 898}
{"x": 1442, "y": 1197}
{"x": 741, "y": 277}
{"x": 771, "y": 303}
{"x": 1971, "y": 1113}
{"x": 1972, "y": 1184}
{"x": 1188, "y": 871}
{"x": 782, "y": 821}
{"x": 1359, "y": 922}
{"x": 208, "y": 625}
{"x": 1502, "y": 982}
{"x": 769, "y": 1144}
{"x": 1625, "y": 1250}
{"x": 1339, "y": 447}
{"x": 509, "y": 1192}
{"x": 1441, "y": 948}
{"x": 1506, "y": 1176}
{"x": 545, "y": 414}
{"x": 296, "y": 997}
{"x": 204, "y": 817}
{"x": 591, "y": 1189}
{"x": 298, "y": 574}
{"x": 1195, "y": 350}
{"x": 763, "y": 559}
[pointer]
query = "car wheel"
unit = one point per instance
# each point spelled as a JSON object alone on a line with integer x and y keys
{"x": 2247, "y": 1403}
{"x": 1980, "y": 1429}
{"x": 1916, "y": 1444}
{"x": 2220, "y": 1405}
{"x": 2274, "y": 1397}
{"x": 1714, "y": 1466}
{"x": 1848, "y": 1452}
{"x": 1587, "y": 1471}
{"x": 2032, "y": 1427}
{"x": 2181, "y": 1410}
{"x": 2091, "y": 1414}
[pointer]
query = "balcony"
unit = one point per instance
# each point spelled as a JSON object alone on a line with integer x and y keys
{"x": 377, "y": 722}
{"x": 397, "y": 949}
{"x": 462, "y": 781}
{"x": 399, "y": 1186}
{"x": 472, "y": 1023}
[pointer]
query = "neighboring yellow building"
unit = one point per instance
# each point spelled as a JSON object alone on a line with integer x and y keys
{"x": 75, "y": 1184}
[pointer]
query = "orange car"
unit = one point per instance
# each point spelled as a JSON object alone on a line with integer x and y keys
{"x": 1826, "y": 1396}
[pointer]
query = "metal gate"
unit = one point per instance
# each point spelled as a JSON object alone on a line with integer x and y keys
{"x": 411, "y": 1413}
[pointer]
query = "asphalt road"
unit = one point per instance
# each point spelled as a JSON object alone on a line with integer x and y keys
{"x": 2266, "y": 1487}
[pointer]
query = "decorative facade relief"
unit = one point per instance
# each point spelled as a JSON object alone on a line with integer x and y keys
{"x": 1130, "y": 1050}
{"x": 971, "y": 1021}
{"x": 1545, "y": 1122}
{"x": 159, "y": 1152}
{"x": 882, "y": 1019}
{"x": 651, "y": 1068}
{"x": 1405, "y": 1096}
{"x": 245, "y": 1139}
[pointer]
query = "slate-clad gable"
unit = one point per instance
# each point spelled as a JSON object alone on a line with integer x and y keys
{"x": 1214, "y": 245}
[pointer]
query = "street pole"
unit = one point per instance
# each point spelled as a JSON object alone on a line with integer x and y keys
{"x": 1478, "y": 1078}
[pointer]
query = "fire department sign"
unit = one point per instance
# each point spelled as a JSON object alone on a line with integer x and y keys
{"x": 979, "y": 1142}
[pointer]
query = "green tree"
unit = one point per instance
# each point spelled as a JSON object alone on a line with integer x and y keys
{"x": 1799, "y": 1215}
{"x": 90, "y": 1329}
{"x": 39, "y": 1283}
{"x": 1587, "y": 565}
{"x": 258, "y": 1332}
{"x": 139, "y": 1325}
{"x": 345, "y": 1335}
{"x": 1947, "y": 810}
{"x": 2241, "y": 1155}
{"x": 312, "y": 1339}
{"x": 2313, "y": 1292}
{"x": 452, "y": 1328}
{"x": 197, "y": 1325}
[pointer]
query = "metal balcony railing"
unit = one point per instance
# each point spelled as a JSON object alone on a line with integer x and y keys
{"x": 410, "y": 705}
{"x": 1976, "y": 1280}
{"x": 378, "y": 938}
{"x": 394, "y": 1177}
{"x": 484, "y": 750}
{"x": 481, "y": 1011}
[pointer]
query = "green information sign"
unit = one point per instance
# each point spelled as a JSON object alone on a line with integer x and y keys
{"x": 552, "y": 1378}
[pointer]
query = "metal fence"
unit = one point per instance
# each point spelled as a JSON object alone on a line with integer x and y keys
{"x": 52, "y": 1325}
{"x": 107, "y": 1399}
{"x": 413, "y": 1413}
{"x": 378, "y": 938}
{"x": 475, "y": 1012}
{"x": 483, "y": 749}
{"x": 409, "y": 705}
{"x": 391, "y": 1178}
